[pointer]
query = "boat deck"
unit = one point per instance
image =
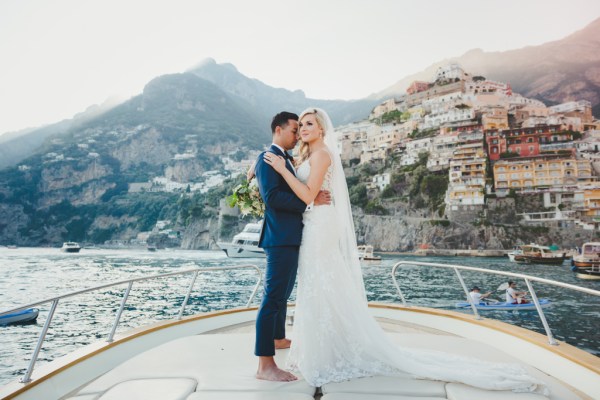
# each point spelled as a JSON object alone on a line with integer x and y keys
{"x": 220, "y": 364}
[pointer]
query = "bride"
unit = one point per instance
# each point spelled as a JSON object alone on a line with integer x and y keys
{"x": 335, "y": 336}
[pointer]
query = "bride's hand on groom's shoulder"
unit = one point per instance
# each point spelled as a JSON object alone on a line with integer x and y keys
{"x": 275, "y": 161}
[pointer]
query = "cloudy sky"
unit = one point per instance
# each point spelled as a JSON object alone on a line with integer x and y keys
{"x": 58, "y": 57}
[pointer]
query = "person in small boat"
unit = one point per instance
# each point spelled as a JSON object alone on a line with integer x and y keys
{"x": 476, "y": 294}
{"x": 514, "y": 296}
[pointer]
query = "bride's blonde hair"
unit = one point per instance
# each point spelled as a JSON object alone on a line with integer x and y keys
{"x": 304, "y": 149}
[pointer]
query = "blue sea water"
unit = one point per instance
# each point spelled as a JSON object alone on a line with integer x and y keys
{"x": 30, "y": 274}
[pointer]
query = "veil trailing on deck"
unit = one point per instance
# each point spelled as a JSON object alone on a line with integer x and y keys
{"x": 336, "y": 337}
{"x": 343, "y": 209}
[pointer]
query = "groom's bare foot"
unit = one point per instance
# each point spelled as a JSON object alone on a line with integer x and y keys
{"x": 269, "y": 371}
{"x": 275, "y": 374}
{"x": 282, "y": 343}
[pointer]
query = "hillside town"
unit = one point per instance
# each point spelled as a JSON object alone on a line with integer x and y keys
{"x": 491, "y": 141}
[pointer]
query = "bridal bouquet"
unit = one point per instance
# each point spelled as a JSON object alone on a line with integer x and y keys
{"x": 247, "y": 197}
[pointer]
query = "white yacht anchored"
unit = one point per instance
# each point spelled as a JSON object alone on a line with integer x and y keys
{"x": 245, "y": 243}
{"x": 70, "y": 247}
{"x": 210, "y": 355}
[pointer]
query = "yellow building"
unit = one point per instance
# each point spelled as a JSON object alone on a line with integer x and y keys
{"x": 591, "y": 202}
{"x": 495, "y": 118}
{"x": 541, "y": 172}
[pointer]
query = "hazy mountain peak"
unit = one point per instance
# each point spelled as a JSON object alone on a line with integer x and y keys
{"x": 563, "y": 70}
{"x": 207, "y": 62}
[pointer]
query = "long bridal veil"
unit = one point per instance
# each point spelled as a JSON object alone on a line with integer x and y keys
{"x": 373, "y": 351}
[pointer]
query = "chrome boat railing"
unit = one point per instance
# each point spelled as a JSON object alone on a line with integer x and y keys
{"x": 527, "y": 278}
{"x": 54, "y": 303}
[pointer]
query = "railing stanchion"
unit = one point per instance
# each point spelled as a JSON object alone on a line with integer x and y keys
{"x": 111, "y": 335}
{"x": 541, "y": 314}
{"x": 255, "y": 287}
{"x": 396, "y": 284}
{"x": 187, "y": 296}
{"x": 27, "y": 377}
{"x": 469, "y": 298}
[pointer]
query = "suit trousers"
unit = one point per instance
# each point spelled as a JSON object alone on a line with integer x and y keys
{"x": 280, "y": 277}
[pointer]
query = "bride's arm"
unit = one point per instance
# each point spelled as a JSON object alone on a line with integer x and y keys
{"x": 319, "y": 162}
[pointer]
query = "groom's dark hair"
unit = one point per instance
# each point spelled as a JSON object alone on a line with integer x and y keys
{"x": 281, "y": 120}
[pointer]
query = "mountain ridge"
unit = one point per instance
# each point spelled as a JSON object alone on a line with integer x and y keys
{"x": 562, "y": 70}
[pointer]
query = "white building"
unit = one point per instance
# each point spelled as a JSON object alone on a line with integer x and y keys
{"x": 414, "y": 148}
{"x": 452, "y": 115}
{"x": 450, "y": 72}
{"x": 442, "y": 150}
{"x": 442, "y": 104}
{"x": 380, "y": 181}
{"x": 570, "y": 106}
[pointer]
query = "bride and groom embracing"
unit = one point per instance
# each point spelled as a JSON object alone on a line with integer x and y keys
{"x": 308, "y": 231}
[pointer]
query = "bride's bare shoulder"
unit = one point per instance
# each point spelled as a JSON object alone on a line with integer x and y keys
{"x": 321, "y": 156}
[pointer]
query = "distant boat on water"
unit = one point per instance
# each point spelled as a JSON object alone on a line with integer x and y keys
{"x": 587, "y": 263}
{"x": 245, "y": 243}
{"x": 589, "y": 255}
{"x": 365, "y": 253}
{"x": 535, "y": 254}
{"x": 70, "y": 247}
{"x": 20, "y": 317}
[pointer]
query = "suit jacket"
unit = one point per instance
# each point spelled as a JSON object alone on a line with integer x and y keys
{"x": 282, "y": 224}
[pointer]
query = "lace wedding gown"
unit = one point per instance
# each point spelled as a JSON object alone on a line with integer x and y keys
{"x": 335, "y": 337}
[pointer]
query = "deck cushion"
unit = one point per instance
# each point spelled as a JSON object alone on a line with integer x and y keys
{"x": 387, "y": 385}
{"x": 151, "y": 389}
{"x": 223, "y": 362}
{"x": 249, "y": 396}
{"x": 458, "y": 391}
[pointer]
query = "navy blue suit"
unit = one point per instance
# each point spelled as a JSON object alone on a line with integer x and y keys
{"x": 280, "y": 238}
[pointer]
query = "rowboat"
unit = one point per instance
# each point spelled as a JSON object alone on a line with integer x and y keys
{"x": 503, "y": 306}
{"x": 19, "y": 317}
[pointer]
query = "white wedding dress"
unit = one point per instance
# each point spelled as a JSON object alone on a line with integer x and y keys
{"x": 335, "y": 337}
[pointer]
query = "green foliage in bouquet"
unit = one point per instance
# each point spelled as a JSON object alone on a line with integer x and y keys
{"x": 247, "y": 197}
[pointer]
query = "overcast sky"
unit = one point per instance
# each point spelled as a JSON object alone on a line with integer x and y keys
{"x": 58, "y": 57}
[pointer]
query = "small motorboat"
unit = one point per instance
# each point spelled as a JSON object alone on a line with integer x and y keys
{"x": 535, "y": 254}
{"x": 589, "y": 256}
{"x": 365, "y": 253}
{"x": 70, "y": 247}
{"x": 503, "y": 306}
{"x": 20, "y": 317}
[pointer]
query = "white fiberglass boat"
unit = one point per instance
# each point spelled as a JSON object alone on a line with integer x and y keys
{"x": 70, "y": 247}
{"x": 365, "y": 253}
{"x": 209, "y": 355}
{"x": 245, "y": 243}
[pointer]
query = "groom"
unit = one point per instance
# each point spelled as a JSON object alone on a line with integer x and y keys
{"x": 280, "y": 238}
